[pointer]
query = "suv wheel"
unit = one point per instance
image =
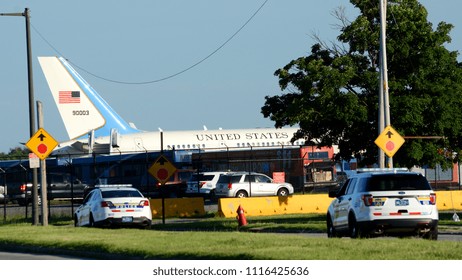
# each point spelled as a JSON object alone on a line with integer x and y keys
{"x": 92, "y": 221}
{"x": 432, "y": 234}
{"x": 353, "y": 227}
{"x": 283, "y": 192}
{"x": 241, "y": 194}
{"x": 331, "y": 232}
{"x": 212, "y": 196}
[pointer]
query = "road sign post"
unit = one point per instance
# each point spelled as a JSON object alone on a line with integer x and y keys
{"x": 42, "y": 144}
{"x": 162, "y": 169}
{"x": 389, "y": 141}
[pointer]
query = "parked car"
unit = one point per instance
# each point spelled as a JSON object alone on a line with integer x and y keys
{"x": 383, "y": 202}
{"x": 59, "y": 186}
{"x": 203, "y": 184}
{"x": 114, "y": 206}
{"x": 244, "y": 184}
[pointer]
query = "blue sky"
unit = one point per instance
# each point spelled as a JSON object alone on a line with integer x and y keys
{"x": 146, "y": 40}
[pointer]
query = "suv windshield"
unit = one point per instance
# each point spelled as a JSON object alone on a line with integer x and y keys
{"x": 120, "y": 193}
{"x": 396, "y": 182}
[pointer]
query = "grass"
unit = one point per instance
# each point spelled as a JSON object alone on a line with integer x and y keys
{"x": 283, "y": 223}
{"x": 220, "y": 238}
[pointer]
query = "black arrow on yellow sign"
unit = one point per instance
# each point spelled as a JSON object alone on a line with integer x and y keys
{"x": 389, "y": 134}
{"x": 41, "y": 137}
{"x": 162, "y": 160}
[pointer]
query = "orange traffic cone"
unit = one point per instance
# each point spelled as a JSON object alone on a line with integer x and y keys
{"x": 240, "y": 216}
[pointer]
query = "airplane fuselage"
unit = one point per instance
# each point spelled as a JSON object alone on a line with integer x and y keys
{"x": 194, "y": 140}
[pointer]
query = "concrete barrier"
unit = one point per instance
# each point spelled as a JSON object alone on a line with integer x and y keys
{"x": 449, "y": 200}
{"x": 309, "y": 203}
{"x": 274, "y": 205}
{"x": 178, "y": 207}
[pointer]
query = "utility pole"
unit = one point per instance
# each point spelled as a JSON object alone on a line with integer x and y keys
{"x": 26, "y": 14}
{"x": 384, "y": 104}
{"x": 43, "y": 173}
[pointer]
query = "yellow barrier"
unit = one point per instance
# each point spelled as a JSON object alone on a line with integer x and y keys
{"x": 309, "y": 203}
{"x": 449, "y": 200}
{"x": 178, "y": 207}
{"x": 274, "y": 205}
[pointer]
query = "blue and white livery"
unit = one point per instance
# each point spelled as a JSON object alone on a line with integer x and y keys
{"x": 93, "y": 126}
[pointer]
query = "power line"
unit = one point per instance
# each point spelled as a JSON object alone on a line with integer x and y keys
{"x": 161, "y": 79}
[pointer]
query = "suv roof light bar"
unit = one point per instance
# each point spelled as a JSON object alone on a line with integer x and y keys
{"x": 114, "y": 186}
{"x": 391, "y": 170}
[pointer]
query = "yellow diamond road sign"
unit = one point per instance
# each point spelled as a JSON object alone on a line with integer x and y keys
{"x": 389, "y": 141}
{"x": 41, "y": 143}
{"x": 162, "y": 169}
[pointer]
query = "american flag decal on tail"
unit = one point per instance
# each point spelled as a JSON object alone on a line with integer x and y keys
{"x": 66, "y": 97}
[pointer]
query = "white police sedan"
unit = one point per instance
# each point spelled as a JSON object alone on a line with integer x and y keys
{"x": 114, "y": 206}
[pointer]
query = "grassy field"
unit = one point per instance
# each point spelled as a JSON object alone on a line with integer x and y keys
{"x": 219, "y": 238}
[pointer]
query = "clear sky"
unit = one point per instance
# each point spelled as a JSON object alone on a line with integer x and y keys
{"x": 147, "y": 40}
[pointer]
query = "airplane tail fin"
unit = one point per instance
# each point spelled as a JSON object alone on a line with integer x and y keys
{"x": 81, "y": 108}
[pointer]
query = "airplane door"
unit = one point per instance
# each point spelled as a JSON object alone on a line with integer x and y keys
{"x": 139, "y": 144}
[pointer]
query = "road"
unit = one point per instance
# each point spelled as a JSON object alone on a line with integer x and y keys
{"x": 28, "y": 256}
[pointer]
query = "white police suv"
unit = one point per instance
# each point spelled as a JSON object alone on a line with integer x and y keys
{"x": 113, "y": 205}
{"x": 375, "y": 202}
{"x": 203, "y": 184}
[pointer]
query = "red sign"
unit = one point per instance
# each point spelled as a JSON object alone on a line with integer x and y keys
{"x": 279, "y": 177}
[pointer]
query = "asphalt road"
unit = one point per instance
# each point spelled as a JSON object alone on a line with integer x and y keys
{"x": 28, "y": 256}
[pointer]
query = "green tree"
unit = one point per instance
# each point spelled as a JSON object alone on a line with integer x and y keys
{"x": 15, "y": 153}
{"x": 332, "y": 94}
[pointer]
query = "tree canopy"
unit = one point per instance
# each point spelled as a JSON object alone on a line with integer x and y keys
{"x": 15, "y": 153}
{"x": 332, "y": 94}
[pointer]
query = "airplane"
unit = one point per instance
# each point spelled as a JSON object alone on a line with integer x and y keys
{"x": 94, "y": 127}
